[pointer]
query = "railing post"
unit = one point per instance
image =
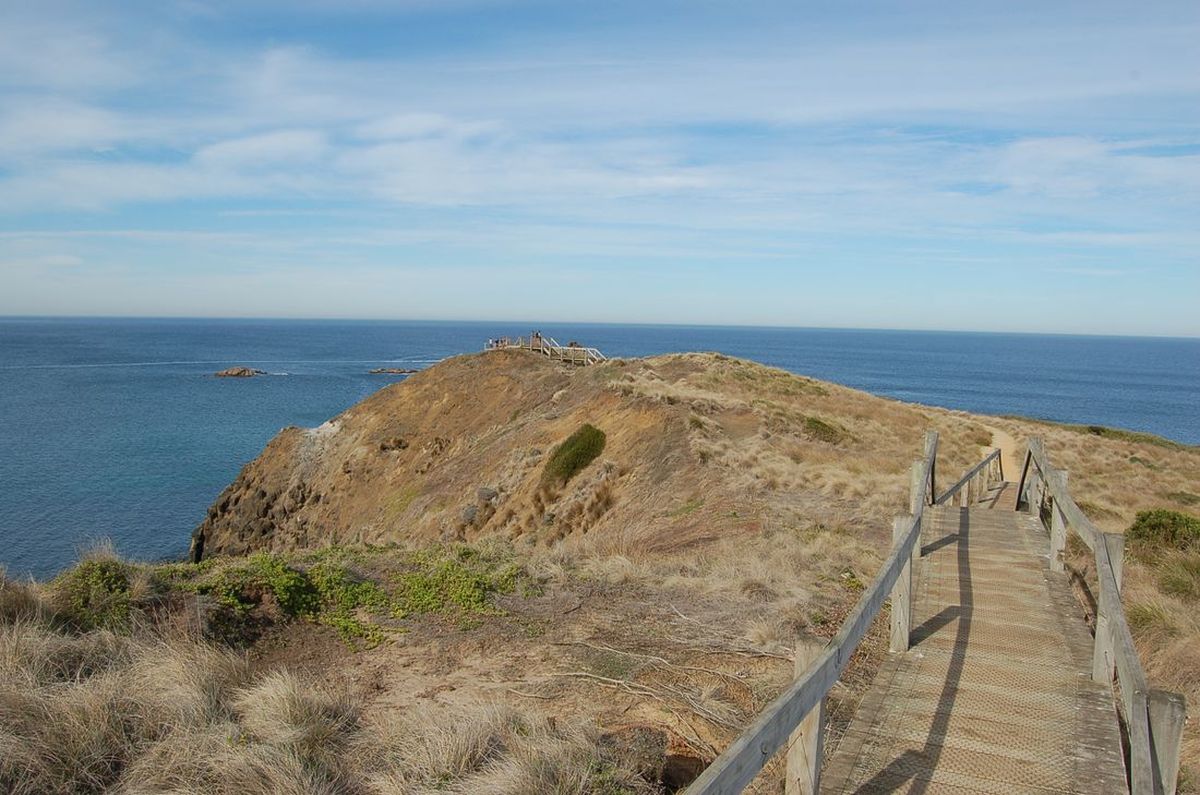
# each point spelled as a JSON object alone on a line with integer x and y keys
{"x": 916, "y": 488}
{"x": 1103, "y": 653}
{"x": 1115, "y": 544}
{"x": 930, "y": 455}
{"x": 1035, "y": 494}
{"x": 1168, "y": 712}
{"x": 806, "y": 745}
{"x": 1058, "y": 525}
{"x": 902, "y": 590}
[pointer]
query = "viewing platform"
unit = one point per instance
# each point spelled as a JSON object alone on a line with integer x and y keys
{"x": 571, "y": 353}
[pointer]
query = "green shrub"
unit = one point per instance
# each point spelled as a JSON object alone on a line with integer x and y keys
{"x": 821, "y": 431}
{"x": 95, "y": 594}
{"x": 242, "y": 586}
{"x": 576, "y": 452}
{"x": 1154, "y": 532}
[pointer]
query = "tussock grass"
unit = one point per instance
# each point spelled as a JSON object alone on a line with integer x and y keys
{"x": 141, "y": 710}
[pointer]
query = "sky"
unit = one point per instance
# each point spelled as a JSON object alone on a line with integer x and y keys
{"x": 1015, "y": 166}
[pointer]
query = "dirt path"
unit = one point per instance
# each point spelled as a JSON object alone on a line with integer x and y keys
{"x": 1008, "y": 450}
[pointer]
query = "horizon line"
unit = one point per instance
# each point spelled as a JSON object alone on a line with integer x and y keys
{"x": 545, "y": 321}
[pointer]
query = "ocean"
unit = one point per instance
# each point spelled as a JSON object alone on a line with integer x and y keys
{"x": 116, "y": 429}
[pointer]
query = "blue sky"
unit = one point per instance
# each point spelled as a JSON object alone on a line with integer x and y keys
{"x": 957, "y": 165}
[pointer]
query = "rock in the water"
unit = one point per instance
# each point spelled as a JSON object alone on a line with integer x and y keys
{"x": 239, "y": 372}
{"x": 391, "y": 371}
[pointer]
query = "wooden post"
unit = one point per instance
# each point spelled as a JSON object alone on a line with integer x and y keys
{"x": 1103, "y": 652}
{"x": 930, "y": 454}
{"x": 902, "y": 590}
{"x": 806, "y": 745}
{"x": 1168, "y": 712}
{"x": 1058, "y": 526}
{"x": 1115, "y": 542}
{"x": 916, "y": 488}
{"x": 1036, "y": 495}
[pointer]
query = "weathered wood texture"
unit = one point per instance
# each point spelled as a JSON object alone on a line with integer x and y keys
{"x": 995, "y": 694}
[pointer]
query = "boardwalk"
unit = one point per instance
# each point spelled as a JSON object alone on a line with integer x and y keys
{"x": 995, "y": 694}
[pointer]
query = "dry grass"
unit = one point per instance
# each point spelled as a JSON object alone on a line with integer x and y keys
{"x": 145, "y": 711}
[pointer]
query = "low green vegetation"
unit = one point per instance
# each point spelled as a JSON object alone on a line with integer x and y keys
{"x": 358, "y": 592}
{"x": 1169, "y": 542}
{"x": 1155, "y": 532}
{"x": 576, "y": 452}
{"x": 461, "y": 578}
{"x": 822, "y": 431}
{"x": 94, "y": 594}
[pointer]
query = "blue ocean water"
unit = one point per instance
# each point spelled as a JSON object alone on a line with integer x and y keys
{"x": 116, "y": 428}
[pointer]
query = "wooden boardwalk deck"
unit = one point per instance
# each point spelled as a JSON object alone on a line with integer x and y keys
{"x": 995, "y": 694}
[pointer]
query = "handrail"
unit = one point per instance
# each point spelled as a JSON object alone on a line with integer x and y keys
{"x": 966, "y": 479}
{"x": 752, "y": 749}
{"x": 1154, "y": 718}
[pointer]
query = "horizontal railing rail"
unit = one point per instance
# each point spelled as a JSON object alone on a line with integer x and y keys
{"x": 976, "y": 480}
{"x": 1153, "y": 718}
{"x": 796, "y": 717}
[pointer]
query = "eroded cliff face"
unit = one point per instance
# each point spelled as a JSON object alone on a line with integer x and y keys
{"x": 452, "y": 452}
{"x": 698, "y": 445}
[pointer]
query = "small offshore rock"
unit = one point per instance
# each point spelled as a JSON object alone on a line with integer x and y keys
{"x": 239, "y": 372}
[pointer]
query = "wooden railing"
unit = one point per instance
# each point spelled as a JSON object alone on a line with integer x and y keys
{"x": 1153, "y": 718}
{"x": 572, "y": 354}
{"x": 975, "y": 483}
{"x": 797, "y": 716}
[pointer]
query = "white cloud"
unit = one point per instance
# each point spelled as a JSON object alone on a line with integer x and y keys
{"x": 266, "y": 150}
{"x": 50, "y": 124}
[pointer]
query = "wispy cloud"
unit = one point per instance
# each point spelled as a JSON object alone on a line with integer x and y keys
{"x": 743, "y": 139}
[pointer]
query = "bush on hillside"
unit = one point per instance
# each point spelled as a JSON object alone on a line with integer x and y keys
{"x": 576, "y": 452}
{"x": 1160, "y": 530}
{"x": 94, "y": 594}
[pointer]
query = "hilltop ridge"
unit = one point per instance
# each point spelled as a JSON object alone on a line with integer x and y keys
{"x": 697, "y": 446}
